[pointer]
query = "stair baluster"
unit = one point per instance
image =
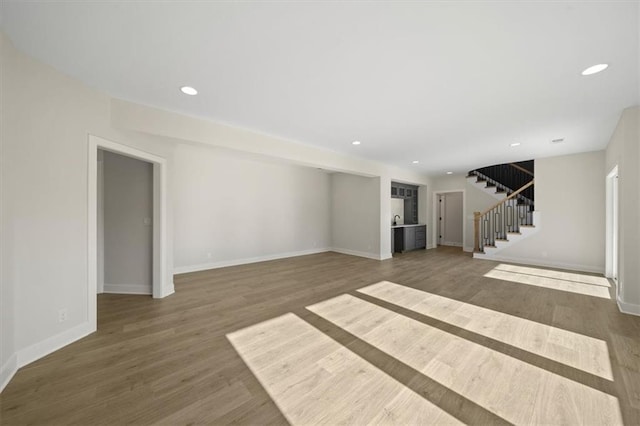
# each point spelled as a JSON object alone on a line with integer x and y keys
{"x": 494, "y": 223}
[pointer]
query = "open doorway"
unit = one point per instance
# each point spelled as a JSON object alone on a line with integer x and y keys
{"x": 161, "y": 275}
{"x": 450, "y": 213}
{"x": 612, "y": 228}
{"x": 125, "y": 225}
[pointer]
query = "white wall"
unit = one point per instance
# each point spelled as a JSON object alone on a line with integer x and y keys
{"x": 230, "y": 209}
{"x": 397, "y": 209}
{"x": 624, "y": 151}
{"x": 8, "y": 361}
{"x": 46, "y": 119}
{"x": 128, "y": 241}
{"x": 355, "y": 215}
{"x": 570, "y": 196}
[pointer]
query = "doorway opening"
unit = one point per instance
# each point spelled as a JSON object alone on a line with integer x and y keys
{"x": 161, "y": 276}
{"x": 125, "y": 225}
{"x": 450, "y": 229}
{"x": 612, "y": 228}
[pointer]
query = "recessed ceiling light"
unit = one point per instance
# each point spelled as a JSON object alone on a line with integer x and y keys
{"x": 415, "y": 161}
{"x": 559, "y": 140}
{"x": 449, "y": 173}
{"x": 515, "y": 144}
{"x": 595, "y": 69}
{"x": 188, "y": 90}
{"x": 355, "y": 143}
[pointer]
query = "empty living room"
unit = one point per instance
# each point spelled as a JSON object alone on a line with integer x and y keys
{"x": 319, "y": 212}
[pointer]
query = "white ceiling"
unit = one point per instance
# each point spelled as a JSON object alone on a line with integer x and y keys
{"x": 448, "y": 84}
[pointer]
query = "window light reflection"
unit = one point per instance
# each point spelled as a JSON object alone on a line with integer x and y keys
{"x": 573, "y": 349}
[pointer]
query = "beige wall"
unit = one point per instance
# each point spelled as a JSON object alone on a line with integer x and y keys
{"x": 570, "y": 196}
{"x": 624, "y": 151}
{"x": 8, "y": 361}
{"x": 355, "y": 214}
{"x": 46, "y": 119}
{"x": 230, "y": 209}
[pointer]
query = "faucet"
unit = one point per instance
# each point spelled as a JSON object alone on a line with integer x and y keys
{"x": 394, "y": 219}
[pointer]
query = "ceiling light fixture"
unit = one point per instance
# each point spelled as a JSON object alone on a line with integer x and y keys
{"x": 595, "y": 69}
{"x": 415, "y": 161}
{"x": 449, "y": 173}
{"x": 515, "y": 144}
{"x": 188, "y": 90}
{"x": 355, "y": 143}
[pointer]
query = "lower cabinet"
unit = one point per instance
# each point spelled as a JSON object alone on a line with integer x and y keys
{"x": 409, "y": 238}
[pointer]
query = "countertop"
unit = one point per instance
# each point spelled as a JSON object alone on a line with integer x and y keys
{"x": 407, "y": 225}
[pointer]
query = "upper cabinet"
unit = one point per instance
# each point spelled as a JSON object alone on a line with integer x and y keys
{"x": 409, "y": 193}
{"x": 401, "y": 190}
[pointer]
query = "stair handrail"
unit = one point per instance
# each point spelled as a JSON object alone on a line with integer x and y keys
{"x": 522, "y": 169}
{"x": 508, "y": 198}
{"x": 497, "y": 184}
{"x": 477, "y": 216}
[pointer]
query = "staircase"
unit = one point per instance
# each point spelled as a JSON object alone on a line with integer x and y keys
{"x": 513, "y": 217}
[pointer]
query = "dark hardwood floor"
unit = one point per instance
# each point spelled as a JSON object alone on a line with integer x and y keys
{"x": 554, "y": 339}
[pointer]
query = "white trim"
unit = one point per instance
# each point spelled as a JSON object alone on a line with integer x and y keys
{"x": 53, "y": 343}
{"x": 467, "y": 249}
{"x": 8, "y": 370}
{"x": 628, "y": 308}
{"x": 162, "y": 277}
{"x": 361, "y": 254}
{"x": 612, "y": 237}
{"x": 434, "y": 221}
{"x": 538, "y": 262}
{"x": 245, "y": 261}
{"x": 451, "y": 244}
{"x": 127, "y": 289}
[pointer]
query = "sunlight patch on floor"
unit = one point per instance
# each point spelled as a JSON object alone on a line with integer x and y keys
{"x": 315, "y": 380}
{"x": 575, "y": 350}
{"x": 587, "y": 285}
{"x": 510, "y": 388}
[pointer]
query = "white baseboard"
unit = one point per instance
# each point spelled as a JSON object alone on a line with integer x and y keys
{"x": 361, "y": 254}
{"x": 542, "y": 262}
{"x": 168, "y": 291}
{"x": 53, "y": 343}
{"x": 235, "y": 262}
{"x": 628, "y": 308}
{"x": 127, "y": 289}
{"x": 451, "y": 244}
{"x": 467, "y": 249}
{"x": 8, "y": 370}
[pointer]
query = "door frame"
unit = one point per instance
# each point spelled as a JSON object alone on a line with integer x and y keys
{"x": 162, "y": 286}
{"x": 436, "y": 211}
{"x": 612, "y": 260}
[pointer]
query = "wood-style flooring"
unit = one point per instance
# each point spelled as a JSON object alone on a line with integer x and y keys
{"x": 428, "y": 337}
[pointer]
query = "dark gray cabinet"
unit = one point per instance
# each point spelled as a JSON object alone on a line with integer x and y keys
{"x": 410, "y": 195}
{"x": 409, "y": 238}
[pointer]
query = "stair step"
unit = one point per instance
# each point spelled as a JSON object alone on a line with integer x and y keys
{"x": 527, "y": 226}
{"x": 514, "y": 233}
{"x": 502, "y": 239}
{"x": 489, "y": 245}
{"x": 490, "y": 185}
{"x": 478, "y": 180}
